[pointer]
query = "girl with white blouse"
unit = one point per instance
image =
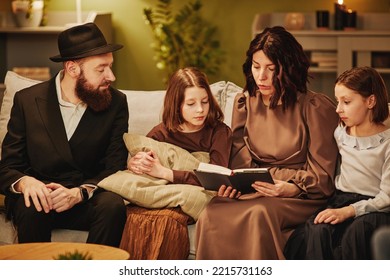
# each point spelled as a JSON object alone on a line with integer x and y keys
{"x": 361, "y": 203}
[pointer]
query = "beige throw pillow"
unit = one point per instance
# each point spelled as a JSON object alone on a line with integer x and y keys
{"x": 170, "y": 155}
{"x": 150, "y": 192}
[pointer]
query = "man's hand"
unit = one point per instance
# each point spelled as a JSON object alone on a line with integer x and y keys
{"x": 37, "y": 191}
{"x": 63, "y": 198}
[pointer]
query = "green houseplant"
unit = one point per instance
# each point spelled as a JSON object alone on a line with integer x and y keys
{"x": 184, "y": 39}
{"x": 76, "y": 255}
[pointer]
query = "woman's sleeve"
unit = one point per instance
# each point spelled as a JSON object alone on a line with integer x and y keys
{"x": 316, "y": 178}
{"x": 240, "y": 156}
{"x": 381, "y": 202}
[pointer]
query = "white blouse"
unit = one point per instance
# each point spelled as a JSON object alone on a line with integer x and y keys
{"x": 365, "y": 169}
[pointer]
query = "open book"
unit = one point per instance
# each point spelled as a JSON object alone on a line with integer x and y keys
{"x": 212, "y": 176}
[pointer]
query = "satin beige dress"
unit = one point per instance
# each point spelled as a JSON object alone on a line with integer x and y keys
{"x": 297, "y": 145}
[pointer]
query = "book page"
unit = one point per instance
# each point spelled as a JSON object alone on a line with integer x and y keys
{"x": 208, "y": 167}
{"x": 250, "y": 170}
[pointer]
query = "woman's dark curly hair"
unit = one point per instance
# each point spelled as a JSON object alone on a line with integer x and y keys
{"x": 291, "y": 65}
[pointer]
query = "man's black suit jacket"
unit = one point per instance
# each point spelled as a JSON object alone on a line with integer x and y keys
{"x": 36, "y": 143}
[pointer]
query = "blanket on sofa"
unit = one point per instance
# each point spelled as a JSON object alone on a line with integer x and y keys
{"x": 150, "y": 192}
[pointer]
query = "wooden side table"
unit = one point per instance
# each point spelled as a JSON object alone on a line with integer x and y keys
{"x": 51, "y": 250}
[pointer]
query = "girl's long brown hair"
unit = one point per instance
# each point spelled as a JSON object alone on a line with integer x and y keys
{"x": 175, "y": 95}
{"x": 367, "y": 81}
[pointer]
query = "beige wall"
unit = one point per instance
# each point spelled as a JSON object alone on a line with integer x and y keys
{"x": 134, "y": 65}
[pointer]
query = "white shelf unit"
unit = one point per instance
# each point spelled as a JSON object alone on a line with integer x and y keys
{"x": 32, "y": 46}
{"x": 353, "y": 48}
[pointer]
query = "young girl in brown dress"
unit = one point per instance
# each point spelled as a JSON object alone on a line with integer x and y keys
{"x": 192, "y": 120}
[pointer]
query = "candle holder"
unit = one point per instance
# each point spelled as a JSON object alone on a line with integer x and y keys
{"x": 339, "y": 16}
{"x": 350, "y": 20}
{"x": 322, "y": 20}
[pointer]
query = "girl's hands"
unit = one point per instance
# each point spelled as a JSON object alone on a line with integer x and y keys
{"x": 157, "y": 170}
{"x": 140, "y": 163}
{"x": 149, "y": 163}
{"x": 335, "y": 216}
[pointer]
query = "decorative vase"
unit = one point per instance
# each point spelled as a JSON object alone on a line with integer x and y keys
{"x": 27, "y": 13}
{"x": 294, "y": 21}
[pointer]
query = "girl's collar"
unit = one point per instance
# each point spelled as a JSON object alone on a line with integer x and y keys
{"x": 363, "y": 143}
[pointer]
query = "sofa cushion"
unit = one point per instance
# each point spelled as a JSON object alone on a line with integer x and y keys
{"x": 13, "y": 83}
{"x": 145, "y": 107}
{"x": 8, "y": 234}
{"x": 230, "y": 92}
{"x": 170, "y": 155}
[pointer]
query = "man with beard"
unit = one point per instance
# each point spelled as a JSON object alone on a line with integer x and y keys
{"x": 64, "y": 136}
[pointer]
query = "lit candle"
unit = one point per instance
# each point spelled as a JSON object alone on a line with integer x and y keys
{"x": 350, "y": 20}
{"x": 339, "y": 15}
{"x": 78, "y": 11}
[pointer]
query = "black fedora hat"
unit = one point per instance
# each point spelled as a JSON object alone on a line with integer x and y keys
{"x": 82, "y": 41}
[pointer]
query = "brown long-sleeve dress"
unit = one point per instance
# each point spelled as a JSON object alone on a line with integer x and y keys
{"x": 162, "y": 233}
{"x": 214, "y": 140}
{"x": 298, "y": 146}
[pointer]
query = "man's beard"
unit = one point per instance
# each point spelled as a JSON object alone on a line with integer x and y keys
{"x": 98, "y": 100}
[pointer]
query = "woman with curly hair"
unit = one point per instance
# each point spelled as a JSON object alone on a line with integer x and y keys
{"x": 279, "y": 124}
